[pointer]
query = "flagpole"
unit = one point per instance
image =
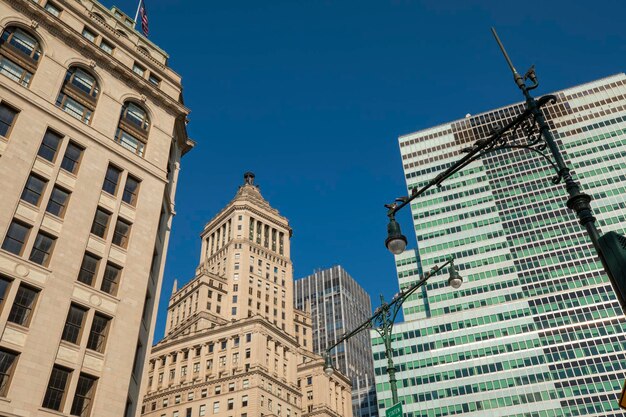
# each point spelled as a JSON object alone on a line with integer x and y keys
{"x": 137, "y": 14}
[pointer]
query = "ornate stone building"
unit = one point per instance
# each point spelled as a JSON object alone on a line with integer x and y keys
{"x": 92, "y": 129}
{"x": 234, "y": 344}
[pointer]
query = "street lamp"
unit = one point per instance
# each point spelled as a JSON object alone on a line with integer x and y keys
{"x": 396, "y": 241}
{"x": 384, "y": 317}
{"x": 529, "y": 131}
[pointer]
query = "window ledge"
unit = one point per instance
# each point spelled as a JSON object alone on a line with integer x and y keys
{"x": 95, "y": 353}
{"x": 130, "y": 206}
{"x": 53, "y": 412}
{"x": 20, "y": 328}
{"x": 29, "y": 264}
{"x": 30, "y": 205}
{"x": 97, "y": 292}
{"x": 68, "y": 173}
{"x": 70, "y": 345}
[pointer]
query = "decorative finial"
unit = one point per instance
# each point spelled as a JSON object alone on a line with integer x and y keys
{"x": 248, "y": 178}
{"x": 175, "y": 286}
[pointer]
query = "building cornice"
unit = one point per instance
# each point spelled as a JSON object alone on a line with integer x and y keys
{"x": 237, "y": 205}
{"x": 162, "y": 347}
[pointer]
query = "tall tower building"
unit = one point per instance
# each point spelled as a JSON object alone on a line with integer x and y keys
{"x": 535, "y": 330}
{"x": 234, "y": 343}
{"x": 92, "y": 130}
{"x": 338, "y": 304}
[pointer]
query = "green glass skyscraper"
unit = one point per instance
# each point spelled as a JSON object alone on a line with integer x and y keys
{"x": 536, "y": 330}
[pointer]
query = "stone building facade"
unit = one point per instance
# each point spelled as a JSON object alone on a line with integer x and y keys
{"x": 234, "y": 343}
{"x": 92, "y": 129}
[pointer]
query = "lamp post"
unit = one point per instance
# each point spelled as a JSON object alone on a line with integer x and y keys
{"x": 530, "y": 131}
{"x": 384, "y": 317}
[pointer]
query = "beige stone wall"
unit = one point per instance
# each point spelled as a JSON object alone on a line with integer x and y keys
{"x": 38, "y": 345}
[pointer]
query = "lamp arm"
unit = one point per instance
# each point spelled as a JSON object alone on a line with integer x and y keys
{"x": 372, "y": 321}
{"x": 473, "y": 154}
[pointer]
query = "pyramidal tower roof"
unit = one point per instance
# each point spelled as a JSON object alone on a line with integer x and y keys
{"x": 249, "y": 195}
{"x": 250, "y": 192}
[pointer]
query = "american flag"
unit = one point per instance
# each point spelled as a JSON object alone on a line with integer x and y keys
{"x": 144, "y": 18}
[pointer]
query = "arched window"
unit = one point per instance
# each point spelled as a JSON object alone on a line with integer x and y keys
{"x": 79, "y": 94}
{"x": 19, "y": 55}
{"x": 133, "y": 128}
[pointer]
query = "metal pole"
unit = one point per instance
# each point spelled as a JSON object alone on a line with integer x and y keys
{"x": 386, "y": 331}
{"x": 578, "y": 201}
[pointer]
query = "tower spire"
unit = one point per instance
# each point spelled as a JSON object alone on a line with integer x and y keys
{"x": 248, "y": 178}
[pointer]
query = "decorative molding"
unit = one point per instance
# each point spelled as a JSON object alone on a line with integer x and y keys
{"x": 40, "y": 18}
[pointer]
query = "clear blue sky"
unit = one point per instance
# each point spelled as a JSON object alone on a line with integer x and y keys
{"x": 312, "y": 95}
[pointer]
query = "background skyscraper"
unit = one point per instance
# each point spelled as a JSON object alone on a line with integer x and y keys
{"x": 338, "y": 304}
{"x": 535, "y": 331}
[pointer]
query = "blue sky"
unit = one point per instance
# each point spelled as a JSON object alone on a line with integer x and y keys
{"x": 312, "y": 95}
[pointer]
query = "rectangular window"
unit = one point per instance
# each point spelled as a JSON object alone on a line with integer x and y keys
{"x": 49, "y": 146}
{"x": 16, "y": 237}
{"x": 111, "y": 279}
{"x": 138, "y": 69}
{"x": 231, "y": 403}
{"x": 7, "y": 117}
{"x": 87, "y": 34}
{"x": 202, "y": 410}
{"x": 154, "y": 80}
{"x": 23, "y": 305}
{"x": 88, "y": 269}
{"x": 100, "y": 223}
{"x": 71, "y": 159}
{"x": 98, "y": 333}
{"x": 4, "y": 287}
{"x": 35, "y": 185}
{"x": 216, "y": 407}
{"x": 8, "y": 361}
{"x": 42, "y": 249}
{"x": 106, "y": 47}
{"x": 58, "y": 201}
{"x": 53, "y": 9}
{"x": 122, "y": 231}
{"x": 111, "y": 179}
{"x": 15, "y": 72}
{"x": 55, "y": 393}
{"x": 130, "y": 191}
{"x": 83, "y": 398}
{"x": 74, "y": 324}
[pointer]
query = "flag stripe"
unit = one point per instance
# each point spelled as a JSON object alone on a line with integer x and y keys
{"x": 144, "y": 18}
